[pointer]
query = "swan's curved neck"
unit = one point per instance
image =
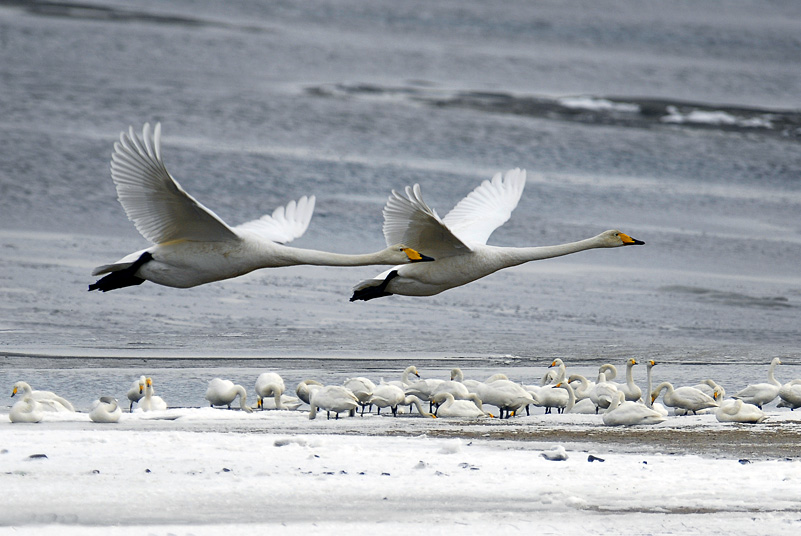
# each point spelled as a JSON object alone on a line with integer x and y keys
{"x": 771, "y": 378}
{"x": 571, "y": 397}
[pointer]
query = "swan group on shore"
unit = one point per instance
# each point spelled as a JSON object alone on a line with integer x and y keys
{"x": 457, "y": 397}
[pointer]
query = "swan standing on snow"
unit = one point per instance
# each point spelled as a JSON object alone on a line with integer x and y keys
{"x": 271, "y": 385}
{"x": 333, "y": 398}
{"x": 603, "y": 393}
{"x": 458, "y": 241}
{"x": 193, "y": 245}
{"x": 392, "y": 396}
{"x": 790, "y": 393}
{"x": 583, "y": 406}
{"x": 735, "y": 410}
{"x": 137, "y": 391}
{"x": 151, "y": 402}
{"x": 105, "y": 409}
{"x": 760, "y": 394}
{"x": 26, "y": 410}
{"x": 47, "y": 401}
{"x": 223, "y": 392}
{"x": 686, "y": 398}
{"x": 622, "y": 412}
{"x": 363, "y": 389}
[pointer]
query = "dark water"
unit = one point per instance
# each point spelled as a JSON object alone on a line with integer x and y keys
{"x": 677, "y": 123}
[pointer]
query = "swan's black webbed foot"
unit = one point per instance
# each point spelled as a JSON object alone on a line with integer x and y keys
{"x": 378, "y": 291}
{"x": 122, "y": 278}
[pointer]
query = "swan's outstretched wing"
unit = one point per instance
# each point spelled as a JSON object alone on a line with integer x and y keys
{"x": 410, "y": 221}
{"x": 285, "y": 224}
{"x": 157, "y": 205}
{"x": 487, "y": 207}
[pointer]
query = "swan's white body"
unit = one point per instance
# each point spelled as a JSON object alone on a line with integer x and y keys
{"x": 270, "y": 385}
{"x": 450, "y": 407}
{"x": 105, "y": 410}
{"x": 405, "y": 382}
{"x": 686, "y": 398}
{"x": 458, "y": 241}
{"x": 735, "y": 410}
{"x": 333, "y": 398}
{"x": 604, "y": 392}
{"x": 193, "y": 245}
{"x": 26, "y": 410}
{"x": 387, "y": 396}
{"x": 137, "y": 391}
{"x": 556, "y": 454}
{"x": 624, "y": 412}
{"x": 790, "y": 394}
{"x": 223, "y": 392}
{"x": 509, "y": 397}
{"x": 151, "y": 402}
{"x": 47, "y": 400}
{"x": 363, "y": 389}
{"x": 760, "y": 394}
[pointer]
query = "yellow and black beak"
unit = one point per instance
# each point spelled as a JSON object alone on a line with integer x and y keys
{"x": 416, "y": 256}
{"x": 629, "y": 241}
{"x": 14, "y": 391}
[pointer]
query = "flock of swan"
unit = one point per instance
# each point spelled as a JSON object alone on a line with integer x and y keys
{"x": 619, "y": 403}
{"x": 193, "y": 246}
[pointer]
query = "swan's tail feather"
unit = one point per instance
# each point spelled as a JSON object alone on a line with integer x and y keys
{"x": 123, "y": 277}
{"x": 373, "y": 288}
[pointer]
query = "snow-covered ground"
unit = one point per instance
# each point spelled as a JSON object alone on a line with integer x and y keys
{"x": 209, "y": 471}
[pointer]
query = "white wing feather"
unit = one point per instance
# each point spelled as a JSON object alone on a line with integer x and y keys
{"x": 285, "y": 224}
{"x": 156, "y": 204}
{"x": 487, "y": 207}
{"x": 410, "y": 221}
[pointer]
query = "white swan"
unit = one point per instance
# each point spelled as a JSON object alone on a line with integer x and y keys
{"x": 333, "y": 398}
{"x": 223, "y": 392}
{"x": 450, "y": 407}
{"x": 509, "y": 397}
{"x": 582, "y": 392}
{"x": 712, "y": 388}
{"x": 270, "y": 385}
{"x": 686, "y": 398}
{"x": 790, "y": 393}
{"x": 363, "y": 389}
{"x": 136, "y": 392}
{"x": 193, "y": 245}
{"x": 151, "y": 402}
{"x": 583, "y": 406}
{"x": 105, "y": 410}
{"x": 662, "y": 410}
{"x": 26, "y": 410}
{"x": 603, "y": 393}
{"x": 458, "y": 241}
{"x": 622, "y": 412}
{"x": 735, "y": 410}
{"x": 305, "y": 389}
{"x": 760, "y": 394}
{"x": 47, "y": 400}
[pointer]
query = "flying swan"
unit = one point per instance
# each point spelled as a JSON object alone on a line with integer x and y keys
{"x": 458, "y": 241}
{"x": 193, "y": 245}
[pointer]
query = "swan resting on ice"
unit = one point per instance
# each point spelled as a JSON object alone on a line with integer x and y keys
{"x": 105, "y": 410}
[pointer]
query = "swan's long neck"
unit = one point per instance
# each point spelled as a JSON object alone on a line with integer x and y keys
{"x": 243, "y": 396}
{"x": 648, "y": 398}
{"x": 416, "y": 401}
{"x": 522, "y": 255}
{"x": 630, "y": 376}
{"x": 288, "y": 256}
{"x": 571, "y": 397}
{"x": 771, "y": 378}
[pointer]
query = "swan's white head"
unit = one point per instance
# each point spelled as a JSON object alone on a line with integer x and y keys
{"x": 20, "y": 386}
{"x": 614, "y": 238}
{"x": 401, "y": 254}
{"x": 556, "y": 363}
